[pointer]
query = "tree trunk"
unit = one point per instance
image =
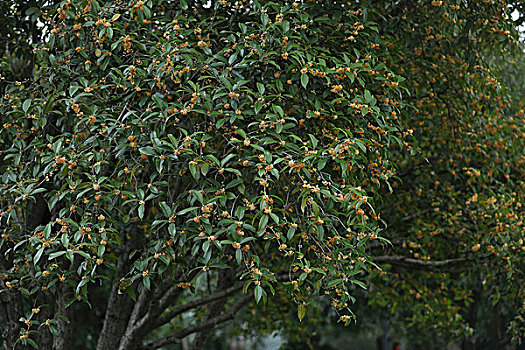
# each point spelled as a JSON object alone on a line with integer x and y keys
{"x": 115, "y": 321}
{"x": 64, "y": 341}
{"x": 10, "y": 312}
{"x": 118, "y": 311}
{"x": 44, "y": 339}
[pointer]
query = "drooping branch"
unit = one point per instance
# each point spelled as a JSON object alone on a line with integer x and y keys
{"x": 402, "y": 261}
{"x": 171, "y": 291}
{"x": 177, "y": 336}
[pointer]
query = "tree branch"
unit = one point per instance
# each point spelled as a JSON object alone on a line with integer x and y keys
{"x": 119, "y": 307}
{"x": 147, "y": 319}
{"x": 177, "y": 336}
{"x": 195, "y": 303}
{"x": 419, "y": 264}
{"x": 170, "y": 294}
{"x": 127, "y": 337}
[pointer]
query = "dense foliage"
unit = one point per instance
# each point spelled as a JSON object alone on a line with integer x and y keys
{"x": 186, "y": 158}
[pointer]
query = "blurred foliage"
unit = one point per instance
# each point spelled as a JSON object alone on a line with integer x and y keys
{"x": 460, "y": 200}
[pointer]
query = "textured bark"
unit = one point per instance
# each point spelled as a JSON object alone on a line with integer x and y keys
{"x": 115, "y": 321}
{"x": 64, "y": 341}
{"x": 118, "y": 312}
{"x": 401, "y": 261}
{"x": 205, "y": 325}
{"x": 10, "y": 311}
{"x": 148, "y": 309}
{"x": 128, "y": 341}
{"x": 44, "y": 338}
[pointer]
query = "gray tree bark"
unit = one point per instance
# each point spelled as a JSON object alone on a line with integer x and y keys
{"x": 10, "y": 311}
{"x": 118, "y": 312}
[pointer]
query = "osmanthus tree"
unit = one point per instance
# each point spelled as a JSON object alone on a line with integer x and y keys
{"x": 192, "y": 157}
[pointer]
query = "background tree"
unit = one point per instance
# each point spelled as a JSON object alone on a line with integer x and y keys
{"x": 457, "y": 229}
{"x": 461, "y": 203}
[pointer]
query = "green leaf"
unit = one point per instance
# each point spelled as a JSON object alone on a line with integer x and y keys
{"x": 141, "y": 211}
{"x": 199, "y": 196}
{"x": 226, "y": 82}
{"x": 205, "y": 167}
{"x": 147, "y": 282}
{"x": 315, "y": 208}
{"x": 47, "y": 231}
{"x": 245, "y": 287}
{"x": 291, "y": 232}
{"x": 234, "y": 183}
{"x": 166, "y": 210}
{"x": 55, "y": 255}
{"x": 261, "y": 88}
{"x": 368, "y": 96}
{"x": 258, "y": 107}
{"x": 52, "y": 202}
{"x": 259, "y": 292}
{"x": 83, "y": 253}
{"x": 131, "y": 293}
{"x": 26, "y": 105}
{"x": 82, "y": 282}
{"x": 213, "y": 159}
{"x": 264, "y": 19}
{"x": 32, "y": 343}
{"x": 314, "y": 140}
{"x": 53, "y": 330}
{"x": 194, "y": 170}
{"x": 303, "y": 203}
{"x": 321, "y": 163}
{"x": 238, "y": 256}
{"x": 187, "y": 210}
{"x": 38, "y": 255}
{"x": 172, "y": 229}
{"x": 286, "y": 26}
{"x": 278, "y": 109}
{"x": 100, "y": 250}
{"x": 263, "y": 223}
{"x": 359, "y": 283}
{"x": 334, "y": 282}
{"x": 149, "y": 151}
{"x": 304, "y": 80}
{"x": 301, "y": 311}
{"x": 227, "y": 159}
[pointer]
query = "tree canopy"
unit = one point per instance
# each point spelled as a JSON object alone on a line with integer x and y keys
{"x": 184, "y": 159}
